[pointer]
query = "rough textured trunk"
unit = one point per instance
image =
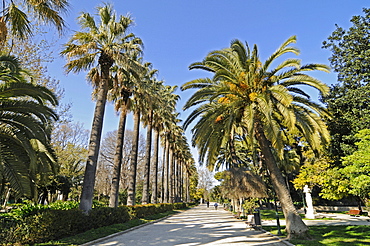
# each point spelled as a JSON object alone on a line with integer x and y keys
{"x": 117, "y": 162}
{"x": 187, "y": 182}
{"x": 87, "y": 193}
{"x": 147, "y": 160}
{"x": 131, "y": 190}
{"x": 155, "y": 167}
{"x": 181, "y": 178}
{"x": 171, "y": 177}
{"x": 295, "y": 226}
{"x": 167, "y": 171}
{"x": 163, "y": 172}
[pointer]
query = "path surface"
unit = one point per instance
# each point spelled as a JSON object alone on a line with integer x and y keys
{"x": 193, "y": 227}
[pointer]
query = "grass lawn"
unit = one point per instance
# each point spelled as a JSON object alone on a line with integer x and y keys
{"x": 104, "y": 231}
{"x": 267, "y": 214}
{"x": 332, "y": 235}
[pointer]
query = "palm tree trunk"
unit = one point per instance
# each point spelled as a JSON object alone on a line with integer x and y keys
{"x": 87, "y": 193}
{"x": 171, "y": 176}
{"x": 117, "y": 163}
{"x": 167, "y": 171}
{"x": 147, "y": 160}
{"x": 163, "y": 171}
{"x": 155, "y": 167}
{"x": 131, "y": 191}
{"x": 295, "y": 226}
{"x": 187, "y": 182}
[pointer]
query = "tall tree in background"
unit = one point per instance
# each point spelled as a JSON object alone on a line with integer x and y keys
{"x": 123, "y": 85}
{"x": 265, "y": 103}
{"x": 99, "y": 46}
{"x": 349, "y": 99}
{"x": 164, "y": 110}
{"x": 147, "y": 117}
{"x": 139, "y": 102}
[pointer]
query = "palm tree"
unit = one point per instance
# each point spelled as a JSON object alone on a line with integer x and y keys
{"x": 121, "y": 106}
{"x": 141, "y": 97}
{"x": 121, "y": 91}
{"x": 26, "y": 157}
{"x": 265, "y": 104}
{"x": 18, "y": 21}
{"x": 102, "y": 45}
{"x": 164, "y": 110}
{"x": 148, "y": 115}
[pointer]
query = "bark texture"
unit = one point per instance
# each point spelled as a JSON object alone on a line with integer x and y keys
{"x": 295, "y": 226}
{"x": 117, "y": 162}
{"x": 131, "y": 190}
{"x": 87, "y": 193}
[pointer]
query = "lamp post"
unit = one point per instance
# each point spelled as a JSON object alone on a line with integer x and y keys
{"x": 277, "y": 218}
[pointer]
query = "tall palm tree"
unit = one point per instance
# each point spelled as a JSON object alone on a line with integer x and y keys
{"x": 103, "y": 45}
{"x": 148, "y": 119}
{"x": 164, "y": 110}
{"x": 19, "y": 21}
{"x": 26, "y": 156}
{"x": 265, "y": 104}
{"x": 139, "y": 102}
{"x": 124, "y": 81}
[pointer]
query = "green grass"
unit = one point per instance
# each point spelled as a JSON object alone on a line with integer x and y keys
{"x": 270, "y": 214}
{"x": 104, "y": 231}
{"x": 331, "y": 235}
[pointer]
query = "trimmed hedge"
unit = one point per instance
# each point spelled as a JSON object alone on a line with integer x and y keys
{"x": 42, "y": 225}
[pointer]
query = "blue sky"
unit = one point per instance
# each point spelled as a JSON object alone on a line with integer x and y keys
{"x": 177, "y": 33}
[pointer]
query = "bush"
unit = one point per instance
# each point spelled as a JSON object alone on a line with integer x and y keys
{"x": 108, "y": 216}
{"x": 31, "y": 224}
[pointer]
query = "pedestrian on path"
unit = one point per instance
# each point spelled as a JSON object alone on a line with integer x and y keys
{"x": 216, "y": 205}
{"x": 207, "y": 204}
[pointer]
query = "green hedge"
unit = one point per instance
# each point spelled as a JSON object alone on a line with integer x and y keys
{"x": 35, "y": 225}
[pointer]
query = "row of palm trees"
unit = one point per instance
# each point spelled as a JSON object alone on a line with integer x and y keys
{"x": 249, "y": 107}
{"x": 112, "y": 57}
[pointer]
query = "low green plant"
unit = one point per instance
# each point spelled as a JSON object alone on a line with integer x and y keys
{"x": 97, "y": 233}
{"x": 34, "y": 223}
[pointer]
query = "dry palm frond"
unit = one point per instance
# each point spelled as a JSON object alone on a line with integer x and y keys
{"x": 3, "y": 31}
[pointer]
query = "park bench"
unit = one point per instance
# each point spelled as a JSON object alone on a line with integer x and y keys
{"x": 354, "y": 212}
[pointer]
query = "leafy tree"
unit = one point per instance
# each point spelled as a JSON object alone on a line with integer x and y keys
{"x": 357, "y": 168}
{"x": 99, "y": 46}
{"x": 349, "y": 99}
{"x": 70, "y": 144}
{"x": 247, "y": 97}
{"x": 338, "y": 182}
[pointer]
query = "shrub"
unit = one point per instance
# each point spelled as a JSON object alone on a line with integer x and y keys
{"x": 31, "y": 224}
{"x": 108, "y": 216}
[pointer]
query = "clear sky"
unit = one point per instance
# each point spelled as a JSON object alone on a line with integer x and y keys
{"x": 177, "y": 33}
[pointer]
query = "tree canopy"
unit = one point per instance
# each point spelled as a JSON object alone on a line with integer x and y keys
{"x": 349, "y": 100}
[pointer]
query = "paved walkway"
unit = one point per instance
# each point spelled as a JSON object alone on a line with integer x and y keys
{"x": 193, "y": 227}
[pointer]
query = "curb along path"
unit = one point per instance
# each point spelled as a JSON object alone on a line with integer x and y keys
{"x": 196, "y": 226}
